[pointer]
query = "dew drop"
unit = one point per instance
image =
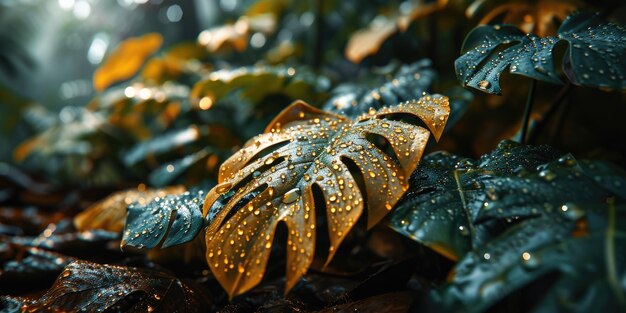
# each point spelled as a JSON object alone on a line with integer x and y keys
{"x": 291, "y": 195}
{"x": 223, "y": 187}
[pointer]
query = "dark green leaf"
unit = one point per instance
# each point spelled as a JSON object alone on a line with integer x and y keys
{"x": 531, "y": 192}
{"x": 447, "y": 191}
{"x": 408, "y": 83}
{"x": 167, "y": 173}
{"x": 64, "y": 242}
{"x": 30, "y": 268}
{"x": 596, "y": 56}
{"x": 91, "y": 287}
{"x": 165, "y": 222}
{"x": 11, "y": 304}
{"x": 581, "y": 273}
{"x": 163, "y": 143}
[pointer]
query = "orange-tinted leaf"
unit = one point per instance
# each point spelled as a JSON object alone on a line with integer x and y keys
{"x": 306, "y": 149}
{"x": 126, "y": 60}
{"x": 234, "y": 36}
{"x": 367, "y": 41}
{"x": 274, "y": 7}
{"x": 262, "y": 16}
{"x": 110, "y": 213}
{"x": 539, "y": 17}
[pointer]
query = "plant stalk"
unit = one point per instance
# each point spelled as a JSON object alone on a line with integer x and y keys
{"x": 555, "y": 105}
{"x": 527, "y": 110}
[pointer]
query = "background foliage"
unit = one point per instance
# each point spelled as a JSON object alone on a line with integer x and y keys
{"x": 115, "y": 117}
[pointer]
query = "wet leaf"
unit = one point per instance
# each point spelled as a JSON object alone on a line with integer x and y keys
{"x": 25, "y": 221}
{"x": 30, "y": 268}
{"x": 164, "y": 143}
{"x": 569, "y": 271}
{"x": 62, "y": 138}
{"x": 257, "y": 82}
{"x": 167, "y": 173}
{"x": 165, "y": 221}
{"x": 73, "y": 243}
{"x": 539, "y": 17}
{"x": 305, "y": 151}
{"x": 93, "y": 287}
{"x": 446, "y": 192}
{"x": 595, "y": 56}
{"x": 110, "y": 213}
{"x": 546, "y": 187}
{"x": 126, "y": 60}
{"x": 409, "y": 82}
{"x": 11, "y": 304}
{"x": 367, "y": 41}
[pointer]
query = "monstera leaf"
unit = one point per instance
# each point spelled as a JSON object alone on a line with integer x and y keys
{"x": 573, "y": 256}
{"x": 90, "y": 287}
{"x": 596, "y": 54}
{"x": 304, "y": 152}
{"x": 446, "y": 192}
{"x": 166, "y": 221}
{"x": 539, "y": 17}
{"x": 455, "y": 205}
{"x": 408, "y": 82}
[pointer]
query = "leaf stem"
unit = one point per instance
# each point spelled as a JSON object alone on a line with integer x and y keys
{"x": 554, "y": 107}
{"x": 559, "y": 121}
{"x": 468, "y": 214}
{"x": 611, "y": 267}
{"x": 527, "y": 110}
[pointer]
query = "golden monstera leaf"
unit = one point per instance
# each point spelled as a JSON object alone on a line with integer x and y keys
{"x": 273, "y": 177}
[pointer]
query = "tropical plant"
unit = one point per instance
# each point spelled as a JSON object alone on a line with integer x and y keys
{"x": 283, "y": 161}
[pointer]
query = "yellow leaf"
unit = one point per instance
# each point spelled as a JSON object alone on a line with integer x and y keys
{"x": 541, "y": 18}
{"x": 367, "y": 41}
{"x": 126, "y": 60}
{"x": 110, "y": 213}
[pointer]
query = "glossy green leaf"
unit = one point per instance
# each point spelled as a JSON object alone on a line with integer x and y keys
{"x": 596, "y": 54}
{"x": 546, "y": 188}
{"x": 165, "y": 222}
{"x": 409, "y": 82}
{"x": 570, "y": 273}
{"x": 163, "y": 143}
{"x": 10, "y": 304}
{"x": 446, "y": 193}
{"x": 167, "y": 173}
{"x": 29, "y": 267}
{"x": 90, "y": 287}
